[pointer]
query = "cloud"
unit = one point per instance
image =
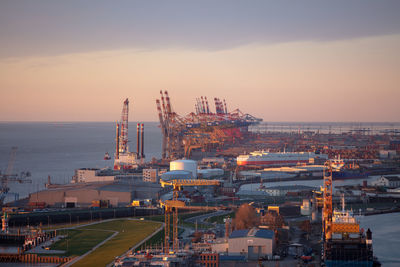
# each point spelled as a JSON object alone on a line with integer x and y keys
{"x": 31, "y": 28}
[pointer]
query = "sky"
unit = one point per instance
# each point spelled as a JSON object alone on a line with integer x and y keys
{"x": 277, "y": 60}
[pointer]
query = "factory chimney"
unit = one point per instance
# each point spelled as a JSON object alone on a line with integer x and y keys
{"x": 142, "y": 132}
{"x": 138, "y": 140}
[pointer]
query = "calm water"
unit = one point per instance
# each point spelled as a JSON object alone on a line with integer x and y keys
{"x": 385, "y": 237}
{"x": 57, "y": 149}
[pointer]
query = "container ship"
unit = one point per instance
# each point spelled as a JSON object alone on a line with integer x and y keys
{"x": 340, "y": 173}
{"x": 262, "y": 158}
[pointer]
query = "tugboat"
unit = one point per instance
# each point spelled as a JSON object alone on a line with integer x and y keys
{"x": 107, "y": 156}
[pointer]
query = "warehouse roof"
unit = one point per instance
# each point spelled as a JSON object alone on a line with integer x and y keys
{"x": 393, "y": 178}
{"x": 261, "y": 233}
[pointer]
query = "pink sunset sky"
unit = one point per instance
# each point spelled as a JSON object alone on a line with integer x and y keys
{"x": 280, "y": 61}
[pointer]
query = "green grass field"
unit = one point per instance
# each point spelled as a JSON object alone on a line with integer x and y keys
{"x": 130, "y": 233}
{"x": 78, "y": 242}
{"x": 82, "y": 239}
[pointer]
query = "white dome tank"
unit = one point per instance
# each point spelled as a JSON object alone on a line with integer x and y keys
{"x": 184, "y": 165}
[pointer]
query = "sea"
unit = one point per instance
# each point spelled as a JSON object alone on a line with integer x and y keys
{"x": 56, "y": 149}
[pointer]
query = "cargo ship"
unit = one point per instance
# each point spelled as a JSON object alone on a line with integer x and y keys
{"x": 337, "y": 163}
{"x": 349, "y": 245}
{"x": 262, "y": 158}
{"x": 349, "y": 174}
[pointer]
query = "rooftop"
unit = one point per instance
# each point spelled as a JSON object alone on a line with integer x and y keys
{"x": 393, "y": 178}
{"x": 254, "y": 232}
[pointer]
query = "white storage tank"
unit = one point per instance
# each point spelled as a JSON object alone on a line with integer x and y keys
{"x": 184, "y": 165}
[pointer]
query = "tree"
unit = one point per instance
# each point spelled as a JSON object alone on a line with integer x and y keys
{"x": 272, "y": 220}
{"x": 245, "y": 217}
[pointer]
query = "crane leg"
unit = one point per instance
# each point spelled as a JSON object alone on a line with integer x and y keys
{"x": 175, "y": 230}
{"x": 167, "y": 229}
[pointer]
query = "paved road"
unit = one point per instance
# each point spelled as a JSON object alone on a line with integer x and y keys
{"x": 140, "y": 243}
{"x": 48, "y": 243}
{"x": 104, "y": 241}
{"x": 201, "y": 218}
{"x": 93, "y": 249}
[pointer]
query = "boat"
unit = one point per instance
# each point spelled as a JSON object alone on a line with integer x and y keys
{"x": 107, "y": 156}
{"x": 262, "y": 158}
{"x": 349, "y": 244}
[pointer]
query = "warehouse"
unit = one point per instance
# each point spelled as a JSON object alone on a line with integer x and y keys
{"x": 253, "y": 243}
{"x": 117, "y": 194}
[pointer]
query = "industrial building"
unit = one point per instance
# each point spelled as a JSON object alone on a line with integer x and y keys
{"x": 150, "y": 175}
{"x": 282, "y": 190}
{"x": 387, "y": 181}
{"x": 90, "y": 175}
{"x": 117, "y": 194}
{"x": 253, "y": 243}
{"x": 250, "y": 243}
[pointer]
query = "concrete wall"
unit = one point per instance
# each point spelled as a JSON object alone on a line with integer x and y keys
{"x": 219, "y": 247}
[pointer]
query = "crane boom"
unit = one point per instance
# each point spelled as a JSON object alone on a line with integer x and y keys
{"x": 189, "y": 182}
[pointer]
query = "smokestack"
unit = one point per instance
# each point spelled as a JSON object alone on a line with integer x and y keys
{"x": 142, "y": 132}
{"x": 138, "y": 140}
{"x": 117, "y": 141}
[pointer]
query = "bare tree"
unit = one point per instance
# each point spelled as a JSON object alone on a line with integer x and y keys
{"x": 272, "y": 220}
{"x": 245, "y": 217}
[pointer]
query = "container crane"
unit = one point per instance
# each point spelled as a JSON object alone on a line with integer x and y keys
{"x": 181, "y": 134}
{"x": 172, "y": 206}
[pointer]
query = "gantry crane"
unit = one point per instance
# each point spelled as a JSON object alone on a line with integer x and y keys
{"x": 172, "y": 206}
{"x": 200, "y": 129}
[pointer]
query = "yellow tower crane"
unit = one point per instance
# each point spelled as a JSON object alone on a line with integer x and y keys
{"x": 327, "y": 210}
{"x": 172, "y": 206}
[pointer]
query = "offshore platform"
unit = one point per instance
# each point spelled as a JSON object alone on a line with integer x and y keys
{"x": 201, "y": 129}
{"x": 123, "y": 158}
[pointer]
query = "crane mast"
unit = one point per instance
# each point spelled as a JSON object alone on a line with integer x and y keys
{"x": 327, "y": 210}
{"x": 123, "y": 138}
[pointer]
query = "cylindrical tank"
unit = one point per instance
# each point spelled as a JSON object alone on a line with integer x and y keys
{"x": 184, "y": 165}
